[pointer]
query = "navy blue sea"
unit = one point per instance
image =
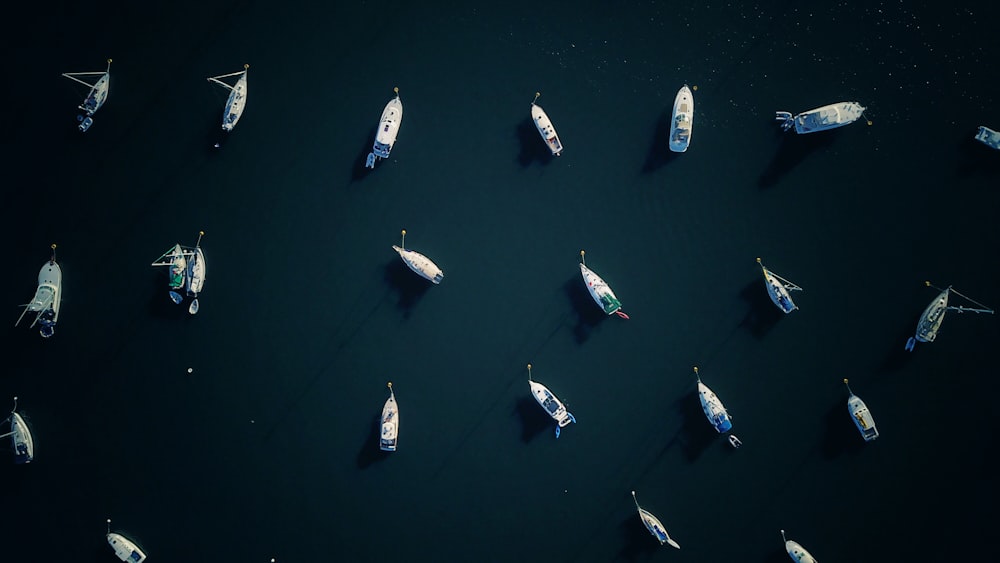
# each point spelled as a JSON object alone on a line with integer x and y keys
{"x": 268, "y": 448}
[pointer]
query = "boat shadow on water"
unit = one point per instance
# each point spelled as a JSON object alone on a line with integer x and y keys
{"x": 762, "y": 315}
{"x": 792, "y": 150}
{"x": 370, "y": 452}
{"x": 533, "y": 148}
{"x": 840, "y": 436}
{"x": 534, "y": 421}
{"x": 588, "y": 314}
{"x": 696, "y": 433}
{"x": 409, "y": 285}
{"x": 659, "y": 148}
{"x": 638, "y": 543}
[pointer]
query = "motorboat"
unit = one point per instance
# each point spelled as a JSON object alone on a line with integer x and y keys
{"x": 796, "y": 551}
{"x": 176, "y": 260}
{"x": 778, "y": 289}
{"x": 390, "y": 423}
{"x": 418, "y": 262}
{"x": 96, "y": 96}
{"x": 715, "y": 411}
{"x": 125, "y": 549}
{"x": 988, "y": 137}
{"x": 237, "y": 100}
{"x": 861, "y": 416}
{"x": 822, "y": 118}
{"x": 654, "y": 525}
{"x": 48, "y": 295}
{"x": 196, "y": 274}
{"x": 388, "y": 128}
{"x": 932, "y": 317}
{"x": 545, "y": 127}
{"x": 551, "y": 404}
{"x": 683, "y": 120}
{"x": 600, "y": 290}
{"x": 20, "y": 436}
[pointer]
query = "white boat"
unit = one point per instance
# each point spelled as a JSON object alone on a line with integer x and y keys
{"x": 600, "y": 290}
{"x": 683, "y": 120}
{"x": 932, "y": 317}
{"x": 778, "y": 288}
{"x": 48, "y": 295}
{"x": 125, "y": 549}
{"x": 20, "y": 436}
{"x": 734, "y": 441}
{"x": 550, "y": 403}
{"x": 176, "y": 260}
{"x": 196, "y": 274}
{"x": 654, "y": 525}
{"x": 988, "y": 137}
{"x": 796, "y": 551}
{"x": 861, "y": 416}
{"x": 714, "y": 410}
{"x": 237, "y": 97}
{"x": 821, "y": 119}
{"x": 390, "y": 423}
{"x": 545, "y": 127}
{"x": 388, "y": 128}
{"x": 418, "y": 262}
{"x": 96, "y": 97}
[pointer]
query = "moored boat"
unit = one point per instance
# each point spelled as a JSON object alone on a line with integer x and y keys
{"x": 682, "y": 123}
{"x": 125, "y": 549}
{"x": 237, "y": 100}
{"x": 778, "y": 288}
{"x": 988, "y": 137}
{"x": 714, "y": 410}
{"x": 419, "y": 263}
{"x": 551, "y": 404}
{"x": 599, "y": 290}
{"x": 390, "y": 423}
{"x": 96, "y": 96}
{"x": 796, "y": 551}
{"x": 388, "y": 128}
{"x": 48, "y": 296}
{"x": 196, "y": 274}
{"x": 20, "y": 436}
{"x": 545, "y": 127}
{"x": 933, "y": 315}
{"x": 654, "y": 525}
{"x": 820, "y": 119}
{"x": 176, "y": 261}
{"x": 861, "y": 416}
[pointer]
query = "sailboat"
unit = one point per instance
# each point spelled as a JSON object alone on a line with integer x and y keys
{"x": 683, "y": 120}
{"x": 20, "y": 436}
{"x": 237, "y": 97}
{"x": 125, "y": 549}
{"x": 96, "y": 97}
{"x": 176, "y": 260}
{"x": 820, "y": 119}
{"x": 418, "y": 262}
{"x": 545, "y": 127}
{"x": 196, "y": 274}
{"x": 654, "y": 525}
{"x": 390, "y": 423}
{"x": 600, "y": 290}
{"x": 861, "y": 416}
{"x": 714, "y": 410}
{"x": 796, "y": 551}
{"x": 48, "y": 295}
{"x": 778, "y": 288}
{"x": 551, "y": 404}
{"x": 932, "y": 317}
{"x": 388, "y": 128}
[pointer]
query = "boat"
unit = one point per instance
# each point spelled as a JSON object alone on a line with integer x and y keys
{"x": 654, "y": 525}
{"x": 125, "y": 549}
{"x": 545, "y": 127}
{"x": 388, "y": 128}
{"x": 820, "y": 119}
{"x": 551, "y": 404}
{"x": 600, "y": 290}
{"x": 932, "y": 317}
{"x": 778, "y": 288}
{"x": 96, "y": 97}
{"x": 176, "y": 260}
{"x": 196, "y": 274}
{"x": 20, "y": 436}
{"x": 734, "y": 441}
{"x": 682, "y": 121}
{"x": 988, "y": 137}
{"x": 715, "y": 411}
{"x": 48, "y": 295}
{"x": 796, "y": 551}
{"x": 418, "y": 262}
{"x": 390, "y": 423}
{"x": 237, "y": 97}
{"x": 861, "y": 416}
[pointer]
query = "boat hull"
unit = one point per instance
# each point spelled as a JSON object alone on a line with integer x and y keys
{"x": 546, "y": 130}
{"x": 388, "y": 128}
{"x": 552, "y": 405}
{"x": 656, "y": 528}
{"x": 600, "y": 291}
{"x": 988, "y": 137}
{"x": 862, "y": 418}
{"x": 779, "y": 295}
{"x": 714, "y": 410}
{"x": 23, "y": 443}
{"x": 196, "y": 272}
{"x": 932, "y": 317}
{"x": 827, "y": 117}
{"x": 389, "y": 433}
{"x": 48, "y": 297}
{"x": 97, "y": 96}
{"x": 125, "y": 549}
{"x": 682, "y": 123}
{"x": 798, "y": 553}
{"x": 420, "y": 264}
{"x": 235, "y": 104}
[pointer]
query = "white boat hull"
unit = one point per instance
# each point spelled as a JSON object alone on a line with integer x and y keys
{"x": 600, "y": 291}
{"x": 932, "y": 317}
{"x": 682, "y": 123}
{"x": 713, "y": 408}
{"x": 779, "y": 295}
{"x": 420, "y": 264}
{"x": 862, "y": 418}
{"x": 23, "y": 443}
{"x": 196, "y": 272}
{"x": 388, "y": 128}
{"x": 823, "y": 118}
{"x": 125, "y": 549}
{"x": 48, "y": 296}
{"x": 546, "y": 130}
{"x": 389, "y": 433}
{"x": 235, "y": 104}
{"x": 552, "y": 405}
{"x": 798, "y": 553}
{"x": 988, "y": 137}
{"x": 656, "y": 528}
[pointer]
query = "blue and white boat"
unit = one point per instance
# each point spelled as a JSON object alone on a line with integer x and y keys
{"x": 714, "y": 410}
{"x": 237, "y": 100}
{"x": 932, "y": 317}
{"x": 388, "y": 128}
{"x": 682, "y": 123}
{"x": 552, "y": 405}
{"x": 20, "y": 436}
{"x": 654, "y": 525}
{"x": 599, "y": 290}
{"x": 48, "y": 296}
{"x": 796, "y": 551}
{"x": 820, "y": 119}
{"x": 125, "y": 549}
{"x": 861, "y": 416}
{"x": 988, "y": 137}
{"x": 96, "y": 96}
{"x": 778, "y": 288}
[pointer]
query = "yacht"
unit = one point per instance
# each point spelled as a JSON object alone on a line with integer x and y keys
{"x": 932, "y": 317}
{"x": 48, "y": 295}
{"x": 796, "y": 551}
{"x": 176, "y": 260}
{"x": 390, "y": 423}
{"x": 988, "y": 137}
{"x": 714, "y": 410}
{"x": 654, "y": 525}
{"x": 96, "y": 96}
{"x": 683, "y": 120}
{"x": 778, "y": 288}
{"x": 237, "y": 97}
{"x": 388, "y": 128}
{"x": 861, "y": 416}
{"x": 20, "y": 436}
{"x": 820, "y": 119}
{"x": 125, "y": 549}
{"x": 419, "y": 263}
{"x": 545, "y": 127}
{"x": 196, "y": 274}
{"x": 550, "y": 403}
{"x": 599, "y": 290}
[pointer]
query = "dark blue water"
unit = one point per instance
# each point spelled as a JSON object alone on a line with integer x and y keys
{"x": 269, "y": 447}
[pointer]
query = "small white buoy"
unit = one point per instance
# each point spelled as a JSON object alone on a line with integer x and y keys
{"x": 190, "y": 370}
{"x": 252, "y": 421}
